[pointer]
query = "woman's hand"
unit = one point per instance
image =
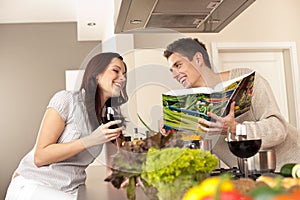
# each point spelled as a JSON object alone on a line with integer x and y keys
{"x": 48, "y": 151}
{"x": 103, "y": 134}
{"x": 221, "y": 124}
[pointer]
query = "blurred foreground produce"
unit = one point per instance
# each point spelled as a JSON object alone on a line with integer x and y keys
{"x": 264, "y": 188}
{"x": 219, "y": 188}
{"x": 244, "y": 185}
{"x": 293, "y": 195}
{"x": 286, "y": 183}
{"x": 265, "y": 192}
{"x": 276, "y": 188}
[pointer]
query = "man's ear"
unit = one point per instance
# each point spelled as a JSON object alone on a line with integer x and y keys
{"x": 198, "y": 58}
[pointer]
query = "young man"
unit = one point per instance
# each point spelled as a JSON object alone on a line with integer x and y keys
{"x": 190, "y": 65}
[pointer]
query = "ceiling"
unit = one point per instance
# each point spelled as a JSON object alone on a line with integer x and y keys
{"x": 47, "y": 11}
{"x": 104, "y": 14}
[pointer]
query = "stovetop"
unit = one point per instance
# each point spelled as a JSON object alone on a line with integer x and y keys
{"x": 236, "y": 173}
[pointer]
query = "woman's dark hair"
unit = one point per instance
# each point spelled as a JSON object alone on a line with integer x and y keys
{"x": 188, "y": 47}
{"x": 96, "y": 66}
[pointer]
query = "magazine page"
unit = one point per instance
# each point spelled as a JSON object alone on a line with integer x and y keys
{"x": 179, "y": 92}
{"x": 231, "y": 83}
{"x": 183, "y": 108}
{"x": 242, "y": 95}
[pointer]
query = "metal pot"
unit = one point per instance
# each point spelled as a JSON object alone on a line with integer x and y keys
{"x": 262, "y": 162}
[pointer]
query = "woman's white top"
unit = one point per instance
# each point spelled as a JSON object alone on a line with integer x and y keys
{"x": 66, "y": 175}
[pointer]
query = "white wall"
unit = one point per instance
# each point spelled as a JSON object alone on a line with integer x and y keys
{"x": 33, "y": 59}
{"x": 263, "y": 21}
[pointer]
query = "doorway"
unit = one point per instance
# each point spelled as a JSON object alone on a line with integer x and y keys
{"x": 276, "y": 61}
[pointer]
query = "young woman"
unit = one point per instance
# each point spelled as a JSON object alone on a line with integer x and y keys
{"x": 72, "y": 133}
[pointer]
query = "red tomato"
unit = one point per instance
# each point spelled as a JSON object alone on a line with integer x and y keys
{"x": 232, "y": 195}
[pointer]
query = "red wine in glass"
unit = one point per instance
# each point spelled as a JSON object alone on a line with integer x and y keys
{"x": 111, "y": 115}
{"x": 245, "y": 148}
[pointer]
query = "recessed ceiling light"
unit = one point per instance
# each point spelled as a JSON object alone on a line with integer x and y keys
{"x": 213, "y": 4}
{"x": 213, "y": 21}
{"x": 91, "y": 24}
{"x": 135, "y": 21}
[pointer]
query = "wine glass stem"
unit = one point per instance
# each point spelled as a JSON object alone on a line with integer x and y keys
{"x": 246, "y": 167}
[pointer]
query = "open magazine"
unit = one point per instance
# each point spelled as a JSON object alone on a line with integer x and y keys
{"x": 182, "y": 108}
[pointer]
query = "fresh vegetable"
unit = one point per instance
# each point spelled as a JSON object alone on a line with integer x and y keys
{"x": 215, "y": 188}
{"x": 193, "y": 193}
{"x": 265, "y": 192}
{"x": 294, "y": 195}
{"x": 290, "y": 170}
{"x": 287, "y": 183}
{"x": 130, "y": 188}
{"x": 173, "y": 170}
{"x": 128, "y": 162}
{"x": 296, "y": 171}
{"x": 232, "y": 195}
{"x": 208, "y": 188}
{"x": 286, "y": 170}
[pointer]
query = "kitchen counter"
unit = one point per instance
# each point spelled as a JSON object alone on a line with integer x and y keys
{"x": 96, "y": 188}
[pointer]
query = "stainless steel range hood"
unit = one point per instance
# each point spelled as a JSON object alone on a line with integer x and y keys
{"x": 201, "y": 16}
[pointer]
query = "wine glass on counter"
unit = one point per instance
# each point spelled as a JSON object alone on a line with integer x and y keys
{"x": 243, "y": 147}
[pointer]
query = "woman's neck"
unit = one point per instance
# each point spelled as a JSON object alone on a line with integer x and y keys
{"x": 103, "y": 100}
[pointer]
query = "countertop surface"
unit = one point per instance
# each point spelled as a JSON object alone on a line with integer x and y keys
{"x": 96, "y": 188}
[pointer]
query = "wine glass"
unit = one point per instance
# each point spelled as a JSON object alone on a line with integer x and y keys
{"x": 112, "y": 115}
{"x": 243, "y": 147}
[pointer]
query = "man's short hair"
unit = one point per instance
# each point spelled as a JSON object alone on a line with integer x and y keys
{"x": 188, "y": 47}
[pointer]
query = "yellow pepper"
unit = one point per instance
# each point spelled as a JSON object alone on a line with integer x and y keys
{"x": 209, "y": 187}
